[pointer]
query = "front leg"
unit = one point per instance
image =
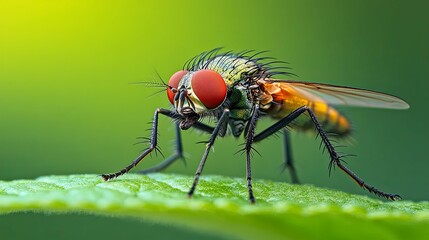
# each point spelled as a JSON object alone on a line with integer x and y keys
{"x": 152, "y": 146}
{"x": 179, "y": 148}
{"x": 167, "y": 162}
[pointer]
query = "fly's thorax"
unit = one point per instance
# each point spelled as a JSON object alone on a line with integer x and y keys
{"x": 232, "y": 68}
{"x": 240, "y": 103}
{"x": 241, "y": 109}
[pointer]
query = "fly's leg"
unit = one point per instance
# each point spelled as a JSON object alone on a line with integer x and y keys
{"x": 248, "y": 148}
{"x": 167, "y": 162}
{"x": 289, "y": 164}
{"x": 153, "y": 145}
{"x": 221, "y": 124}
{"x": 335, "y": 158}
{"x": 179, "y": 148}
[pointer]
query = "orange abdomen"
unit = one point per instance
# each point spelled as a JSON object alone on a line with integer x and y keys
{"x": 284, "y": 101}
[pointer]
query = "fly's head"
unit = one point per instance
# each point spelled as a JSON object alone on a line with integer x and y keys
{"x": 196, "y": 93}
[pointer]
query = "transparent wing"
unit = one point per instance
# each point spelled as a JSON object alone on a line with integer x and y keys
{"x": 340, "y": 95}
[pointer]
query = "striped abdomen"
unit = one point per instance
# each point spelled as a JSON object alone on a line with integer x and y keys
{"x": 278, "y": 101}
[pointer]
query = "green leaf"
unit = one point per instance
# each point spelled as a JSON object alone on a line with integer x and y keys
{"x": 220, "y": 205}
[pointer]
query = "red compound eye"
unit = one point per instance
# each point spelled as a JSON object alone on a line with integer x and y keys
{"x": 209, "y": 87}
{"x": 174, "y": 83}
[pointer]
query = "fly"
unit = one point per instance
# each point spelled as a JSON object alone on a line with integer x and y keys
{"x": 239, "y": 89}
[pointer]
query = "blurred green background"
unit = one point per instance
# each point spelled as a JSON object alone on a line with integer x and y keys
{"x": 66, "y": 105}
